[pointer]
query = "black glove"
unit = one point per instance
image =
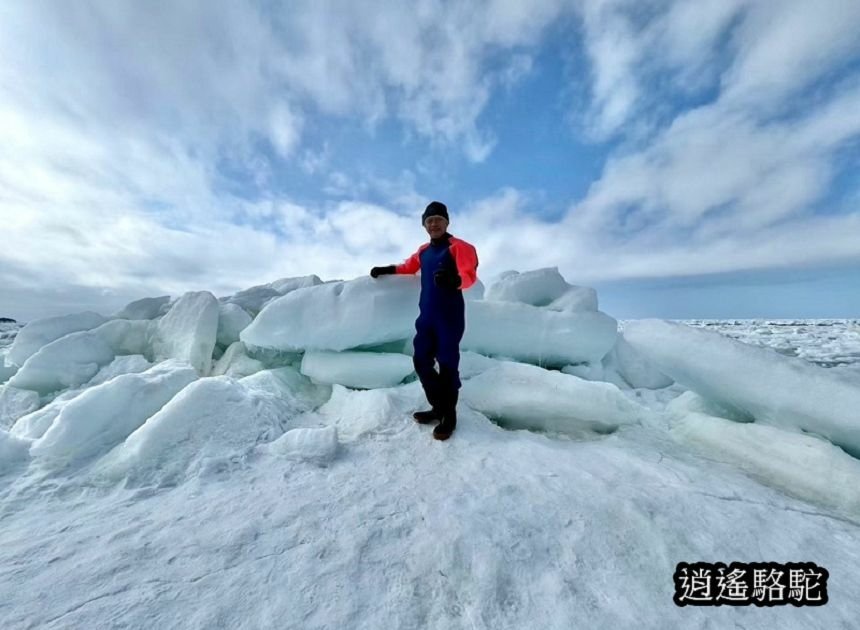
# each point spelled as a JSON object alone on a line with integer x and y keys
{"x": 382, "y": 271}
{"x": 447, "y": 279}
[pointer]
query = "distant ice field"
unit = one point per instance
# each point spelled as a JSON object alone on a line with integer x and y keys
{"x": 826, "y": 342}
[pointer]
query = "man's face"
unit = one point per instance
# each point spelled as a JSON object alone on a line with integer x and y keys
{"x": 435, "y": 226}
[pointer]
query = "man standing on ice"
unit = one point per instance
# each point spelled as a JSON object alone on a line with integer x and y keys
{"x": 448, "y": 265}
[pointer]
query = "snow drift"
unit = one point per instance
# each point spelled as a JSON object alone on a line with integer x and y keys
{"x": 251, "y": 461}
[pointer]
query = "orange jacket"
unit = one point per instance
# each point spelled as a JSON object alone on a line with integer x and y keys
{"x": 464, "y": 254}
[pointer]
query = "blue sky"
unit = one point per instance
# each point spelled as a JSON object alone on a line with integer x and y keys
{"x": 688, "y": 159}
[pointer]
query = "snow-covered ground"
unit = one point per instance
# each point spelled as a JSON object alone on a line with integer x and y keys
{"x": 205, "y": 463}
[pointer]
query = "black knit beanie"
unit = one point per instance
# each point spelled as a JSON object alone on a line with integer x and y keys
{"x": 435, "y": 209}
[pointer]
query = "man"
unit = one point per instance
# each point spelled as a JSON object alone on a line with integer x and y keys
{"x": 448, "y": 265}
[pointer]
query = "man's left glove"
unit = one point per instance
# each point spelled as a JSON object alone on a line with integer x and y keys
{"x": 447, "y": 279}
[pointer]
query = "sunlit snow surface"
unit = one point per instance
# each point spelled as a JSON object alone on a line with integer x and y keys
{"x": 271, "y": 501}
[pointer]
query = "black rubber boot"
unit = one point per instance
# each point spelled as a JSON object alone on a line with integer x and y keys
{"x": 449, "y": 420}
{"x": 426, "y": 417}
{"x": 431, "y": 390}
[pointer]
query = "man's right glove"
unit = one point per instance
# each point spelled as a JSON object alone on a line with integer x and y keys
{"x": 383, "y": 271}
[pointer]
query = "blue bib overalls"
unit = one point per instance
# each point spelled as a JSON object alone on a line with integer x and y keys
{"x": 438, "y": 329}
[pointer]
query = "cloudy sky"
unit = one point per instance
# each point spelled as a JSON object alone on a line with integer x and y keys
{"x": 694, "y": 158}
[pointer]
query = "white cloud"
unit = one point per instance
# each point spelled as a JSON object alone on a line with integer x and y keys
{"x": 285, "y": 129}
{"x": 117, "y": 121}
{"x": 312, "y": 162}
{"x": 133, "y": 254}
{"x": 784, "y": 45}
{"x": 687, "y": 39}
{"x": 759, "y": 54}
{"x": 424, "y": 63}
{"x": 733, "y": 183}
{"x": 614, "y": 48}
{"x": 516, "y": 70}
{"x": 715, "y": 181}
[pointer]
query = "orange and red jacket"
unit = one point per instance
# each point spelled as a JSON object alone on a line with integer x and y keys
{"x": 464, "y": 255}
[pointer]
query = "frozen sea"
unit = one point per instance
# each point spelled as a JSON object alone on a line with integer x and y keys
{"x": 829, "y": 343}
{"x": 247, "y": 503}
{"x": 825, "y": 342}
